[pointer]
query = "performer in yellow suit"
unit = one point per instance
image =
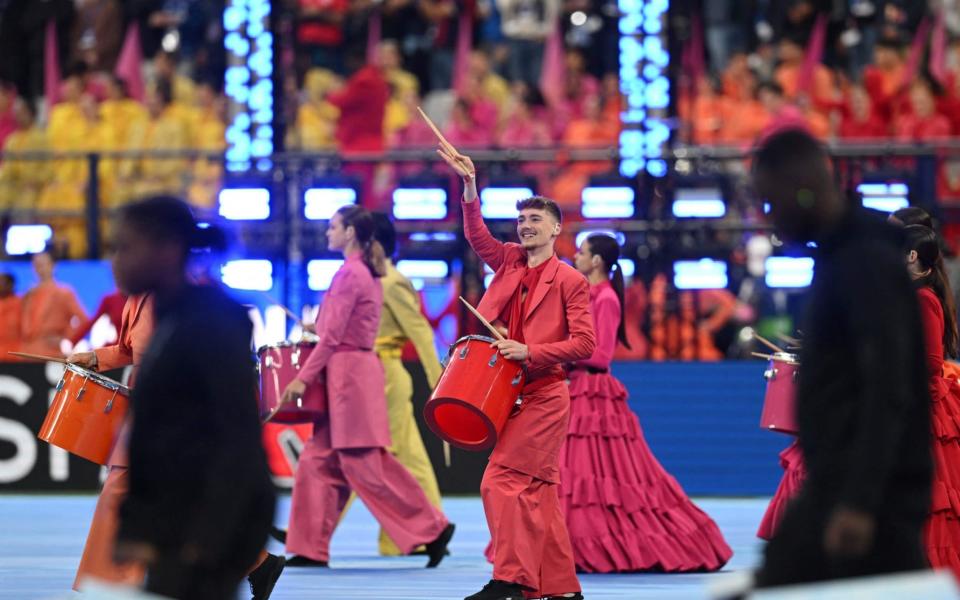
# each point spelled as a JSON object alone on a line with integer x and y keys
{"x": 22, "y": 180}
{"x": 400, "y": 321}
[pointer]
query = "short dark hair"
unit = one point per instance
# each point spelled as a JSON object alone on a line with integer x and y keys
{"x": 385, "y": 233}
{"x": 913, "y": 215}
{"x": 787, "y": 148}
{"x": 541, "y": 203}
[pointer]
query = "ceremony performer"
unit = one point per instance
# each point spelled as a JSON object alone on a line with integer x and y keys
{"x": 939, "y": 317}
{"x": 623, "y": 510}
{"x": 51, "y": 311}
{"x": 400, "y": 322}
{"x": 545, "y": 306}
{"x": 862, "y": 400}
{"x": 348, "y": 448}
{"x": 200, "y": 499}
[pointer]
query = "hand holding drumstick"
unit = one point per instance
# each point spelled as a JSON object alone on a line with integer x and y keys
{"x": 510, "y": 349}
{"x": 460, "y": 163}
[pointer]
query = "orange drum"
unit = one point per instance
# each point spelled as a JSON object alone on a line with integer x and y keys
{"x": 279, "y": 365}
{"x": 86, "y": 414}
{"x": 475, "y": 394}
{"x": 779, "y": 403}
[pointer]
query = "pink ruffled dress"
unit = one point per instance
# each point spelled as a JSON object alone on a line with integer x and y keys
{"x": 623, "y": 510}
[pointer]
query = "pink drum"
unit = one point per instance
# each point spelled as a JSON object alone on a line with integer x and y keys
{"x": 279, "y": 365}
{"x": 779, "y": 412}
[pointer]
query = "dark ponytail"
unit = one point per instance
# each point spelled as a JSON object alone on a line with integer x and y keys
{"x": 363, "y": 226}
{"x": 608, "y": 250}
{"x": 924, "y": 242}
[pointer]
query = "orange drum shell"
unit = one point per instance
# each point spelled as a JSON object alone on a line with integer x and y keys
{"x": 488, "y": 393}
{"x": 81, "y": 426}
{"x": 279, "y": 365}
{"x": 779, "y": 403}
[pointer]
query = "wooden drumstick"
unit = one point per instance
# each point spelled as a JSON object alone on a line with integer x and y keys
{"x": 493, "y": 330}
{"x": 767, "y": 342}
{"x": 447, "y": 146}
{"x": 39, "y": 357}
{"x": 788, "y": 340}
{"x": 759, "y": 355}
{"x": 289, "y": 312}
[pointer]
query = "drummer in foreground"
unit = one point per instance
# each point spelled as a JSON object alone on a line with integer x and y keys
{"x": 347, "y": 451}
{"x": 544, "y": 304}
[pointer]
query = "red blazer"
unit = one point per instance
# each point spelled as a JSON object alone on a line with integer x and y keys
{"x": 557, "y": 326}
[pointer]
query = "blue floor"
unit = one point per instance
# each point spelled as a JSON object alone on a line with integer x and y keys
{"x": 41, "y": 538}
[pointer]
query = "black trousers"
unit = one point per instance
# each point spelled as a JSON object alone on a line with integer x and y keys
{"x": 171, "y": 578}
{"x": 796, "y": 554}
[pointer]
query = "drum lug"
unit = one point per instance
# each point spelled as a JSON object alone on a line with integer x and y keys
{"x": 463, "y": 351}
{"x": 519, "y": 401}
{"x": 493, "y": 360}
{"x": 80, "y": 394}
{"x": 295, "y": 358}
{"x": 770, "y": 374}
{"x": 516, "y": 381}
{"x": 60, "y": 386}
{"x": 796, "y": 376}
{"x": 109, "y": 406}
{"x": 268, "y": 361}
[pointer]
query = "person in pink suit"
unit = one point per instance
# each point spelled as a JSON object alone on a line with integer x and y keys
{"x": 348, "y": 448}
{"x": 544, "y": 306}
{"x": 623, "y": 510}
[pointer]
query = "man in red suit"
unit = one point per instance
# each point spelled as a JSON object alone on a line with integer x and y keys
{"x": 544, "y": 305}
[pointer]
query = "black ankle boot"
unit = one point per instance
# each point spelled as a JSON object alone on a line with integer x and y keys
{"x": 437, "y": 549}
{"x": 264, "y": 578}
{"x": 302, "y": 561}
{"x": 499, "y": 590}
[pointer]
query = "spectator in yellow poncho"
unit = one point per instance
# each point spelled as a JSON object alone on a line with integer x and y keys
{"x": 22, "y": 180}
{"x": 210, "y": 137}
{"x": 316, "y": 117}
{"x": 162, "y": 132}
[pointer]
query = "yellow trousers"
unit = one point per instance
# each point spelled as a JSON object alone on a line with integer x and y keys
{"x": 407, "y": 445}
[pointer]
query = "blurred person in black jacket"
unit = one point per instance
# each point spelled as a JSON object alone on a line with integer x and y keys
{"x": 201, "y": 501}
{"x": 862, "y": 401}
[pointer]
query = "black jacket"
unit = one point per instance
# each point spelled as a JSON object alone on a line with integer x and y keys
{"x": 198, "y": 471}
{"x": 863, "y": 401}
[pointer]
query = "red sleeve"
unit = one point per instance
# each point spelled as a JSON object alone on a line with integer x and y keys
{"x": 581, "y": 341}
{"x": 606, "y": 321}
{"x": 84, "y": 329}
{"x": 931, "y": 317}
{"x": 488, "y": 248}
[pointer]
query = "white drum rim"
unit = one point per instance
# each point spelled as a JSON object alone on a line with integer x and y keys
{"x": 110, "y": 384}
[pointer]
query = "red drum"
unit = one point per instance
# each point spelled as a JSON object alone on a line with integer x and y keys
{"x": 86, "y": 414}
{"x": 279, "y": 365}
{"x": 475, "y": 394}
{"x": 780, "y": 401}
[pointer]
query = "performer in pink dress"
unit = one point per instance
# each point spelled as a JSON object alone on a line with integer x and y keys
{"x": 623, "y": 510}
{"x": 348, "y": 449}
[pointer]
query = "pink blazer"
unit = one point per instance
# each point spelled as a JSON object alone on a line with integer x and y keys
{"x": 557, "y": 326}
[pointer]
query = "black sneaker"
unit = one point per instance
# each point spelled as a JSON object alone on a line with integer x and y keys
{"x": 302, "y": 561}
{"x": 499, "y": 590}
{"x": 278, "y": 534}
{"x": 437, "y": 549}
{"x": 264, "y": 577}
{"x": 575, "y": 596}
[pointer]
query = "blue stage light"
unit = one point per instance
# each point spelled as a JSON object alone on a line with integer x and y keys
{"x": 320, "y": 203}
{"x": 885, "y": 197}
{"x": 256, "y": 275}
{"x": 699, "y": 203}
{"x": 420, "y": 203}
{"x": 27, "y": 239}
{"x": 248, "y": 84}
{"x": 607, "y": 202}
{"x": 501, "y": 202}
{"x": 789, "y": 272}
{"x": 703, "y": 274}
{"x": 320, "y": 273}
{"x": 245, "y": 204}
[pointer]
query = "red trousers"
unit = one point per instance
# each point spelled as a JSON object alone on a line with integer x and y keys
{"x": 325, "y": 477}
{"x": 528, "y": 531}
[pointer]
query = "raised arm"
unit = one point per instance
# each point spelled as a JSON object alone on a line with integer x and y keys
{"x": 488, "y": 248}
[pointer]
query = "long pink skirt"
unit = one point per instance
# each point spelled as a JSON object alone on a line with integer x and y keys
{"x": 794, "y": 472}
{"x": 623, "y": 510}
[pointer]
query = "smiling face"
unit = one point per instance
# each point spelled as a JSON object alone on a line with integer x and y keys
{"x": 338, "y": 236}
{"x": 536, "y": 228}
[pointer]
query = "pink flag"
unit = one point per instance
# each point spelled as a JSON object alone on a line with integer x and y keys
{"x": 461, "y": 58}
{"x": 129, "y": 63}
{"x": 916, "y": 52}
{"x": 813, "y": 55}
{"x": 938, "y": 49}
{"x": 373, "y": 36}
{"x": 698, "y": 66}
{"x": 552, "y": 71}
{"x": 51, "y": 66}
